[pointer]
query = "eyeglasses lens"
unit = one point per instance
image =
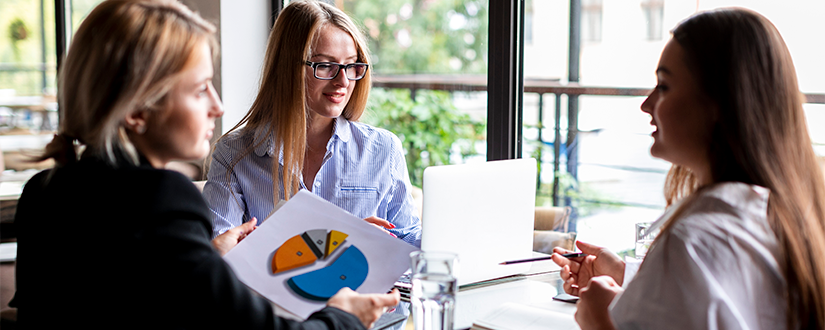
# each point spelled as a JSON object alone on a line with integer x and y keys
{"x": 330, "y": 71}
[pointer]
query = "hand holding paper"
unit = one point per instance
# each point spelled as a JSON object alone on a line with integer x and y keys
{"x": 309, "y": 249}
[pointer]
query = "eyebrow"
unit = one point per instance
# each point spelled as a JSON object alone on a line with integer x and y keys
{"x": 353, "y": 57}
{"x": 663, "y": 70}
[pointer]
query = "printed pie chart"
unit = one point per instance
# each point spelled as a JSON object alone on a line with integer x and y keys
{"x": 350, "y": 269}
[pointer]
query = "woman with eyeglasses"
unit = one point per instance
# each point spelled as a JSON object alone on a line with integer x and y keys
{"x": 302, "y": 132}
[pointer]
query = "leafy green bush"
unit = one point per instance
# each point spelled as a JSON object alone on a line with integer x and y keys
{"x": 430, "y": 127}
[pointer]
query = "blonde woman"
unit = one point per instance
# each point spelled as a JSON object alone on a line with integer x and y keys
{"x": 302, "y": 132}
{"x": 110, "y": 239}
{"x": 742, "y": 245}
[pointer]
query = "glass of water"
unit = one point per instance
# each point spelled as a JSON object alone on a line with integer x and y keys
{"x": 434, "y": 287}
{"x": 644, "y": 238}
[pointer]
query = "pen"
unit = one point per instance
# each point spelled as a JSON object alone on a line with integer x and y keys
{"x": 566, "y": 255}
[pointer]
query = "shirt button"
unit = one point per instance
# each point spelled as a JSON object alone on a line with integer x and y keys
{"x": 317, "y": 184}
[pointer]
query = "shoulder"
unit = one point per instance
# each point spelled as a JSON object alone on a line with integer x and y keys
{"x": 239, "y": 144}
{"x": 143, "y": 191}
{"x": 723, "y": 207}
{"x": 373, "y": 133}
{"x": 235, "y": 141}
{"x": 170, "y": 191}
{"x": 727, "y": 224}
{"x": 376, "y": 137}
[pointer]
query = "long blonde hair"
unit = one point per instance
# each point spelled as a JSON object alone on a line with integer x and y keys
{"x": 280, "y": 106}
{"x": 761, "y": 138}
{"x": 126, "y": 56}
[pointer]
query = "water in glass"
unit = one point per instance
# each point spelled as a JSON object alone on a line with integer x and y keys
{"x": 433, "y": 300}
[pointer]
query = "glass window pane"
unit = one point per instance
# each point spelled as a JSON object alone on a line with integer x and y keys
{"x": 28, "y": 76}
{"x": 429, "y": 69}
{"x": 609, "y": 177}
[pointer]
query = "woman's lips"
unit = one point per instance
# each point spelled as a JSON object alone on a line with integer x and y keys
{"x": 334, "y": 97}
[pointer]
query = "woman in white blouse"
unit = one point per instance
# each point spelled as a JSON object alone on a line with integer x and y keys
{"x": 742, "y": 244}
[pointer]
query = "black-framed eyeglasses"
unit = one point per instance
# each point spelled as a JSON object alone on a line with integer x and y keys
{"x": 329, "y": 70}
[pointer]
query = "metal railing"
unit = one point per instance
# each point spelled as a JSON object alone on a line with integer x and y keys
{"x": 478, "y": 83}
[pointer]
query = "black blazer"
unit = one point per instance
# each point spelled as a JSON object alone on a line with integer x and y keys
{"x": 101, "y": 246}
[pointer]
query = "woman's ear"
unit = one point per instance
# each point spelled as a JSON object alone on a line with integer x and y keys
{"x": 137, "y": 121}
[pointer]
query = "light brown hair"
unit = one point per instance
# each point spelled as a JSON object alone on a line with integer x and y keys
{"x": 761, "y": 138}
{"x": 126, "y": 56}
{"x": 280, "y": 106}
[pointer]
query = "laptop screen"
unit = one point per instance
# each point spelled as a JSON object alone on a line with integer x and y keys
{"x": 484, "y": 212}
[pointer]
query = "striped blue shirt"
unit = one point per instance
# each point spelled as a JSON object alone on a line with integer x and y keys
{"x": 363, "y": 172}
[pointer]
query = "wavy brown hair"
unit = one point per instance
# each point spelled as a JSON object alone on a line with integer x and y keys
{"x": 761, "y": 138}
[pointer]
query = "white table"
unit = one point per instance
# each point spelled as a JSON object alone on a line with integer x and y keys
{"x": 535, "y": 290}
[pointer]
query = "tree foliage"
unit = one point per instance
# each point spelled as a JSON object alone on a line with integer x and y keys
{"x": 424, "y": 36}
{"x": 430, "y": 128}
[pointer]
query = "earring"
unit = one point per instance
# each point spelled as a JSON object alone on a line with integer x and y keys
{"x": 140, "y": 129}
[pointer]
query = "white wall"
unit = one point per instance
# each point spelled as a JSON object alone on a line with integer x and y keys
{"x": 244, "y": 31}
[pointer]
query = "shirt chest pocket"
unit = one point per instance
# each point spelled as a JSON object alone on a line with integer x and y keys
{"x": 359, "y": 190}
{"x": 361, "y": 199}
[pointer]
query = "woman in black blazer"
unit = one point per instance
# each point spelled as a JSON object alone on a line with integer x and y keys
{"x": 111, "y": 240}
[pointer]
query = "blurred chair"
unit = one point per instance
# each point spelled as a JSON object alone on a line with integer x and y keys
{"x": 550, "y": 229}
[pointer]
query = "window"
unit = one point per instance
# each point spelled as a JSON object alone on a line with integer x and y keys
{"x": 28, "y": 74}
{"x": 604, "y": 167}
{"x": 429, "y": 62}
{"x": 653, "y": 11}
{"x": 591, "y": 20}
{"x": 528, "y": 22}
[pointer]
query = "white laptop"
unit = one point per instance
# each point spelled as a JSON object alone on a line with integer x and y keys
{"x": 484, "y": 212}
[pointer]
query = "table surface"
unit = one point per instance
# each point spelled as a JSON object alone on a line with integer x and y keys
{"x": 536, "y": 289}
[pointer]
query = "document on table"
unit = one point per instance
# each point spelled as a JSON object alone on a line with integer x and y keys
{"x": 515, "y": 316}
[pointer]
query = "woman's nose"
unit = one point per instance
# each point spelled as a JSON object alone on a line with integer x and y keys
{"x": 217, "y": 106}
{"x": 647, "y": 105}
{"x": 341, "y": 78}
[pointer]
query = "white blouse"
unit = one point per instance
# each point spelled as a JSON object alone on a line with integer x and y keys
{"x": 717, "y": 268}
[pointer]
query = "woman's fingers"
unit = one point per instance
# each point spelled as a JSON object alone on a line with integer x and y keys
{"x": 588, "y": 248}
{"x": 570, "y": 289}
{"x": 379, "y": 222}
{"x": 384, "y": 230}
{"x": 561, "y": 250}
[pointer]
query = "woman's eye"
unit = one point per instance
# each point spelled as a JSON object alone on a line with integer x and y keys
{"x": 661, "y": 87}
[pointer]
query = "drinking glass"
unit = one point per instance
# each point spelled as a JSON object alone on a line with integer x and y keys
{"x": 644, "y": 237}
{"x": 434, "y": 287}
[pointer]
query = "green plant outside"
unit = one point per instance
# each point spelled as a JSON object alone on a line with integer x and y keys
{"x": 423, "y": 36}
{"x": 430, "y": 127}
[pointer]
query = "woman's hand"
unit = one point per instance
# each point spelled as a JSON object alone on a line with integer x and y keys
{"x": 381, "y": 224}
{"x": 367, "y": 307}
{"x": 226, "y": 241}
{"x": 577, "y": 272}
{"x": 591, "y": 310}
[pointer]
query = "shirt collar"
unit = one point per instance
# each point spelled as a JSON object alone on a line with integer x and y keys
{"x": 342, "y": 129}
{"x": 267, "y": 147}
